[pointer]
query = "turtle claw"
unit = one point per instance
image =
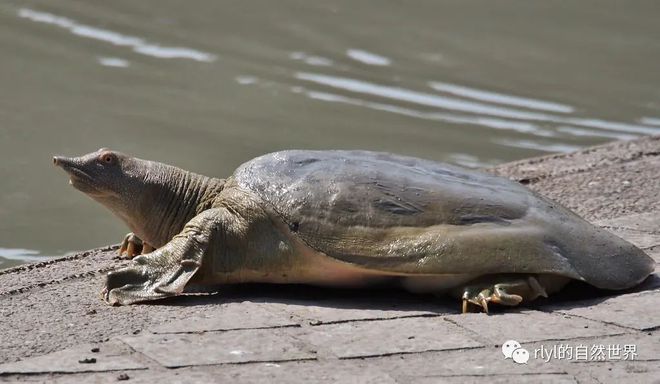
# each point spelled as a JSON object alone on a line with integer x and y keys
{"x": 132, "y": 246}
{"x": 508, "y": 292}
{"x": 484, "y": 304}
{"x": 479, "y": 301}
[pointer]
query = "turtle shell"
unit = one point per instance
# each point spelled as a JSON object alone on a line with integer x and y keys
{"x": 407, "y": 216}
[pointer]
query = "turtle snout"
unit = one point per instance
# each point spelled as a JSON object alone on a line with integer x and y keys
{"x": 59, "y": 161}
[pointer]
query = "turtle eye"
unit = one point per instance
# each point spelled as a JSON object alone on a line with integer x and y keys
{"x": 108, "y": 158}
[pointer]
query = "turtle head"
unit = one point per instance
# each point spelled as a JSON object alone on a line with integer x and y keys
{"x": 101, "y": 174}
{"x": 116, "y": 180}
{"x": 154, "y": 199}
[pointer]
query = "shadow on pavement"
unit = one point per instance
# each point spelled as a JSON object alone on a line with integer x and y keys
{"x": 575, "y": 294}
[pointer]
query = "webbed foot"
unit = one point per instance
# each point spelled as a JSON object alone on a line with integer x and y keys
{"x": 510, "y": 291}
{"x": 160, "y": 274}
{"x": 132, "y": 246}
{"x": 165, "y": 271}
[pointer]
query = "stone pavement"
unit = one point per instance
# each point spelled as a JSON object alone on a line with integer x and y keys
{"x": 54, "y": 327}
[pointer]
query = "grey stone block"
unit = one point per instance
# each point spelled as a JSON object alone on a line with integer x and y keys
{"x": 299, "y": 372}
{"x": 239, "y": 346}
{"x": 629, "y": 372}
{"x": 245, "y": 315}
{"x": 335, "y": 311}
{"x": 480, "y": 362}
{"x": 647, "y": 222}
{"x": 647, "y": 346}
{"x": 636, "y": 310}
{"x": 601, "y": 194}
{"x": 149, "y": 376}
{"x": 502, "y": 379}
{"x": 303, "y": 372}
{"x": 640, "y": 239}
{"x": 587, "y": 353}
{"x": 489, "y": 361}
{"x": 528, "y": 326}
{"x": 384, "y": 337}
{"x": 654, "y": 252}
{"x": 111, "y": 356}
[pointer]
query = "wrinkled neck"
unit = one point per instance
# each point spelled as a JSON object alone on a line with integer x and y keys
{"x": 171, "y": 197}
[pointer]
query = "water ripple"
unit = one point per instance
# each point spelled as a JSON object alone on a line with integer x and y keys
{"x": 490, "y": 122}
{"x": 421, "y": 98}
{"x": 500, "y": 98}
{"x": 650, "y": 121}
{"x": 581, "y": 132}
{"x": 539, "y": 146}
{"x": 22, "y": 254}
{"x": 113, "y": 62}
{"x": 310, "y": 59}
{"x": 473, "y": 107}
{"x": 368, "y": 58}
{"x": 139, "y": 45}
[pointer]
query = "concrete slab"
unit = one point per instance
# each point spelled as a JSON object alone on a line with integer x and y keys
{"x": 103, "y": 357}
{"x": 374, "y": 309}
{"x": 629, "y": 372}
{"x": 618, "y": 310}
{"x": 530, "y": 171}
{"x": 303, "y": 372}
{"x": 607, "y": 192}
{"x": 231, "y": 316}
{"x": 654, "y": 252}
{"x": 644, "y": 222}
{"x": 640, "y": 239}
{"x": 529, "y": 326}
{"x": 239, "y": 346}
{"x": 502, "y": 379}
{"x": 384, "y": 337}
{"x": 178, "y": 376}
{"x": 483, "y": 362}
{"x": 298, "y": 372}
{"x": 583, "y": 352}
{"x": 77, "y": 266}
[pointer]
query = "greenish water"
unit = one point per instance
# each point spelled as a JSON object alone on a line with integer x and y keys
{"x": 207, "y": 85}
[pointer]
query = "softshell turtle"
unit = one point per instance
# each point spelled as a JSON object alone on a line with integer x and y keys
{"x": 347, "y": 218}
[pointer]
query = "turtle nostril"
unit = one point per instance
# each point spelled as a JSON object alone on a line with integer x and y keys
{"x": 55, "y": 160}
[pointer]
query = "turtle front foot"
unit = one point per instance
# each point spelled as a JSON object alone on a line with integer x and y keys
{"x": 165, "y": 271}
{"x": 132, "y": 246}
{"x": 161, "y": 274}
{"x": 509, "y": 291}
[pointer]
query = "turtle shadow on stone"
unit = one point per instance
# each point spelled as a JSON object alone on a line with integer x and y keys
{"x": 385, "y": 299}
{"x": 576, "y": 294}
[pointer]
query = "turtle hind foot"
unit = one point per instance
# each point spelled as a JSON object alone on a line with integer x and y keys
{"x": 509, "y": 291}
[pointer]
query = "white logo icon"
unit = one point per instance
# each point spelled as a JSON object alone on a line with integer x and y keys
{"x": 512, "y": 349}
{"x": 508, "y": 347}
{"x": 520, "y": 356}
